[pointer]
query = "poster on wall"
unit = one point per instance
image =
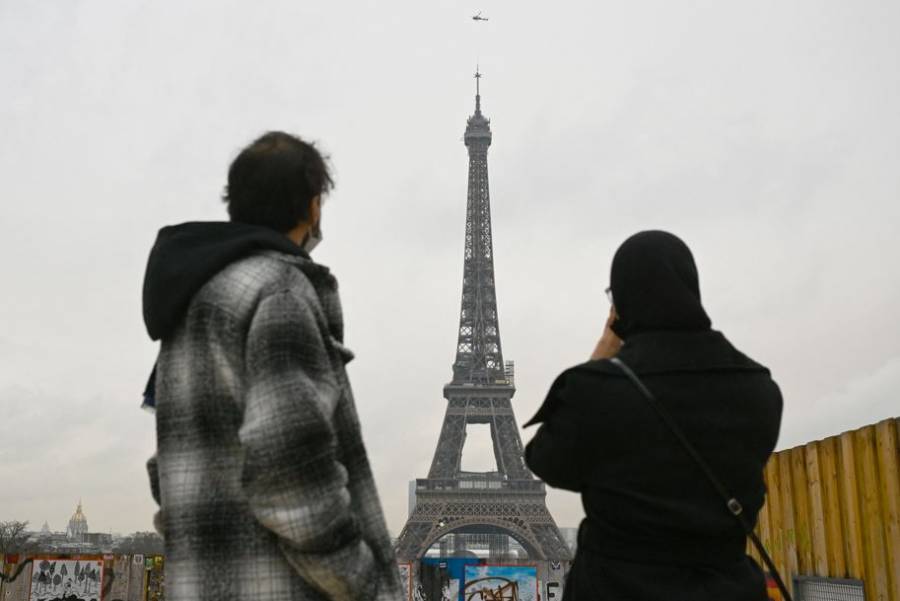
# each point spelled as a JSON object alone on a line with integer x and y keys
{"x": 452, "y": 590}
{"x": 66, "y": 579}
{"x": 116, "y": 575}
{"x": 406, "y": 580}
{"x": 155, "y": 579}
{"x": 500, "y": 583}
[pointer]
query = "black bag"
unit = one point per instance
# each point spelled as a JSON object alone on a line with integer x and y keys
{"x": 733, "y": 505}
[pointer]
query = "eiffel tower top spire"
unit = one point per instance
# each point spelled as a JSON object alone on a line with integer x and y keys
{"x": 477, "y": 90}
{"x": 479, "y": 357}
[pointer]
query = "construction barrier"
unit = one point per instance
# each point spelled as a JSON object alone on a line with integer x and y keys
{"x": 833, "y": 509}
{"x": 82, "y": 577}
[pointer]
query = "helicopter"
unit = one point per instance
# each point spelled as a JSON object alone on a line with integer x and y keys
{"x": 478, "y": 17}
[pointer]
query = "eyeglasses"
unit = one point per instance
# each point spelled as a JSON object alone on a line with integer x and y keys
{"x": 609, "y": 295}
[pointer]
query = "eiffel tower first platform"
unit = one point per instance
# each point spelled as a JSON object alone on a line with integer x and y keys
{"x": 461, "y": 510}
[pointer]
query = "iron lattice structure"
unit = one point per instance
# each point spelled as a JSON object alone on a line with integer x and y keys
{"x": 511, "y": 501}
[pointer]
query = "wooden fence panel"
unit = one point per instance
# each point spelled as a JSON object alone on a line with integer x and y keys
{"x": 886, "y": 438}
{"x": 764, "y": 529}
{"x": 773, "y": 508}
{"x": 850, "y": 504}
{"x": 787, "y": 515}
{"x": 797, "y": 458}
{"x": 874, "y": 553}
{"x": 833, "y": 509}
{"x": 816, "y": 511}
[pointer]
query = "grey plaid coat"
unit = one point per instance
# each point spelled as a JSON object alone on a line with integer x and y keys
{"x": 264, "y": 487}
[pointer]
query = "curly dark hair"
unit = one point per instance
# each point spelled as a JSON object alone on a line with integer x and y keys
{"x": 273, "y": 181}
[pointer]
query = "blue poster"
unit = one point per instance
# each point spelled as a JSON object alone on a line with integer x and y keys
{"x": 500, "y": 583}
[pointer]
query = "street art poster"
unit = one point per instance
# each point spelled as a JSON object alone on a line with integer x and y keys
{"x": 156, "y": 576}
{"x": 66, "y": 579}
{"x": 116, "y": 576}
{"x": 500, "y": 583}
{"x": 452, "y": 590}
{"x": 19, "y": 587}
{"x": 406, "y": 580}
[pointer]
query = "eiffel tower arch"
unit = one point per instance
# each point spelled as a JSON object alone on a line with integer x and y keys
{"x": 456, "y": 508}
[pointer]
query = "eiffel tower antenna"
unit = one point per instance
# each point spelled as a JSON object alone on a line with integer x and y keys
{"x": 477, "y": 89}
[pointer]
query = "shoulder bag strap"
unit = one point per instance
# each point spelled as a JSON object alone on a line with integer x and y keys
{"x": 733, "y": 505}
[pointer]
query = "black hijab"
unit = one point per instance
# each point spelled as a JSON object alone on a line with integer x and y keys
{"x": 655, "y": 286}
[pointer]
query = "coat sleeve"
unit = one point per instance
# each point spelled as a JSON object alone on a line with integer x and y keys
{"x": 293, "y": 480}
{"x": 553, "y": 454}
{"x": 153, "y": 473}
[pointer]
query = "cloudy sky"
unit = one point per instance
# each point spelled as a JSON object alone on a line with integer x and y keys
{"x": 765, "y": 133}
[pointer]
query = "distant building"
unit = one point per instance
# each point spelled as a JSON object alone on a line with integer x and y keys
{"x": 101, "y": 540}
{"x": 78, "y": 526}
{"x": 77, "y": 539}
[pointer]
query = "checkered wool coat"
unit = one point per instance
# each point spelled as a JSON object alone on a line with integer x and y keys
{"x": 262, "y": 479}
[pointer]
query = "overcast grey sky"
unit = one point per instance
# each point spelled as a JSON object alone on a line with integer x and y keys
{"x": 765, "y": 133}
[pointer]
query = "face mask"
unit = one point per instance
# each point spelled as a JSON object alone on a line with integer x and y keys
{"x": 313, "y": 237}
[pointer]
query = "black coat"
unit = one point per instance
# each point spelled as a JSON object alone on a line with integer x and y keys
{"x": 655, "y": 528}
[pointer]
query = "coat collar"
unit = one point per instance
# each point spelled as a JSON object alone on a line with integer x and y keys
{"x": 326, "y": 287}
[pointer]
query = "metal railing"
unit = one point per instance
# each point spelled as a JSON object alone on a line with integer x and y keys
{"x": 811, "y": 588}
{"x": 475, "y": 484}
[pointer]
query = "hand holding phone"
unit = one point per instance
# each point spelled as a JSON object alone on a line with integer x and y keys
{"x": 609, "y": 344}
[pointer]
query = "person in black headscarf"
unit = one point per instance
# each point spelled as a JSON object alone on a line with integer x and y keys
{"x": 655, "y": 527}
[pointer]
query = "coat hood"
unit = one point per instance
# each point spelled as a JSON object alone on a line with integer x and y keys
{"x": 187, "y": 256}
{"x": 655, "y": 286}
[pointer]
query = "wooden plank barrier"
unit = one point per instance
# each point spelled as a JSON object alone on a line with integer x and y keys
{"x": 833, "y": 509}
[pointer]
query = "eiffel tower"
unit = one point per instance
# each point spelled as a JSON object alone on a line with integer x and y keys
{"x": 480, "y": 508}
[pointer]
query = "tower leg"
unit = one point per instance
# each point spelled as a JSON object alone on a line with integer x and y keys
{"x": 448, "y": 455}
{"x": 508, "y": 447}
